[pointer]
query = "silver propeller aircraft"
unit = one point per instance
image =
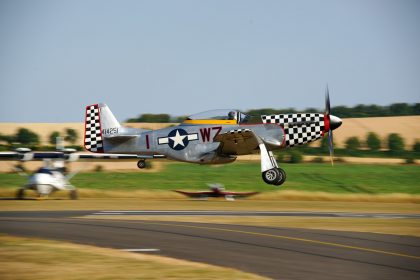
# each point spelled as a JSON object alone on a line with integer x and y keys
{"x": 52, "y": 176}
{"x": 212, "y": 137}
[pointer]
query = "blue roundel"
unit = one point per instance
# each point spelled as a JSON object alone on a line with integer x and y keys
{"x": 178, "y": 139}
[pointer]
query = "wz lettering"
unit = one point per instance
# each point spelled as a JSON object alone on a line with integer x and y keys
{"x": 207, "y": 131}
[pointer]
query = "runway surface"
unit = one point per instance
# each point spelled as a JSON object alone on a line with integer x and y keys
{"x": 278, "y": 253}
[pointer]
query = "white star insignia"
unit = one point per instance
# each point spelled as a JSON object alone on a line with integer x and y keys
{"x": 178, "y": 139}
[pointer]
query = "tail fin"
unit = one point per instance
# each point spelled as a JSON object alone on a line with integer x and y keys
{"x": 98, "y": 118}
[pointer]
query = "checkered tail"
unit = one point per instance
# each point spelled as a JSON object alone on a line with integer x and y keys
{"x": 93, "y": 130}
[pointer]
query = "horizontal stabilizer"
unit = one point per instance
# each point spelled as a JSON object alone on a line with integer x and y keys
{"x": 119, "y": 137}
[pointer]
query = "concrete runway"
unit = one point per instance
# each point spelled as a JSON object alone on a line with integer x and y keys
{"x": 278, "y": 253}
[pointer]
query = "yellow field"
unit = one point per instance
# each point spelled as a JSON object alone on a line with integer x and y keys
{"x": 408, "y": 127}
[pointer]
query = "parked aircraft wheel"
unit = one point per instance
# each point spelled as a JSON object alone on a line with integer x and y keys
{"x": 271, "y": 176}
{"x": 20, "y": 194}
{"x": 282, "y": 177}
{"x": 141, "y": 164}
{"x": 74, "y": 194}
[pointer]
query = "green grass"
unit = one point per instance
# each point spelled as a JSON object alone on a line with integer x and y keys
{"x": 30, "y": 258}
{"x": 342, "y": 178}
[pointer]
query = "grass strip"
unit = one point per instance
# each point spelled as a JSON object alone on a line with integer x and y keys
{"x": 29, "y": 258}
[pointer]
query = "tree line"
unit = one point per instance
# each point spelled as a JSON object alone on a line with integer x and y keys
{"x": 27, "y": 137}
{"x": 358, "y": 111}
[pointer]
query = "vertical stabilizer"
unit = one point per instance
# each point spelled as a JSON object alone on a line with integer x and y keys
{"x": 108, "y": 120}
{"x": 99, "y": 118}
{"x": 93, "y": 130}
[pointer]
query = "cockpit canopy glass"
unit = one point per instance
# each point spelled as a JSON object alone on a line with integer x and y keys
{"x": 221, "y": 114}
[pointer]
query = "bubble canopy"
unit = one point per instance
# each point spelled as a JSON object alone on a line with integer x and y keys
{"x": 219, "y": 114}
{"x": 225, "y": 116}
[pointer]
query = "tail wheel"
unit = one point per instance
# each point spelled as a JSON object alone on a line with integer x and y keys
{"x": 20, "y": 194}
{"x": 141, "y": 164}
{"x": 73, "y": 194}
{"x": 282, "y": 177}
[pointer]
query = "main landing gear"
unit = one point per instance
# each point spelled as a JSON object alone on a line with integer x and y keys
{"x": 271, "y": 173}
{"x": 275, "y": 176}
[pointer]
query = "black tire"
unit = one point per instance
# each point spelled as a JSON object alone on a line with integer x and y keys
{"x": 271, "y": 176}
{"x": 141, "y": 164}
{"x": 282, "y": 177}
{"x": 20, "y": 194}
{"x": 74, "y": 195}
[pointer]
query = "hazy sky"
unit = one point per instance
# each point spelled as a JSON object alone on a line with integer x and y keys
{"x": 183, "y": 57}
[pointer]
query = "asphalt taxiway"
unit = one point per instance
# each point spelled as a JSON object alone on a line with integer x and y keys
{"x": 278, "y": 253}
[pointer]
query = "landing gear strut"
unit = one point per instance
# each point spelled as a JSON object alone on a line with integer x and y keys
{"x": 141, "y": 164}
{"x": 271, "y": 173}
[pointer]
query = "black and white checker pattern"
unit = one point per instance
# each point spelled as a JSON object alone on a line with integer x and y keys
{"x": 299, "y": 129}
{"x": 292, "y": 118}
{"x": 93, "y": 134}
{"x": 240, "y": 130}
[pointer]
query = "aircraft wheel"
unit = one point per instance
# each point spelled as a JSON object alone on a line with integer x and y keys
{"x": 74, "y": 194}
{"x": 20, "y": 194}
{"x": 282, "y": 177}
{"x": 271, "y": 176}
{"x": 141, "y": 164}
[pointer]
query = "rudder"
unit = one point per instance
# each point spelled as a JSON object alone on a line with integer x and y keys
{"x": 93, "y": 129}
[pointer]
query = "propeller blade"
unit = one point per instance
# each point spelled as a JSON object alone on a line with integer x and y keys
{"x": 331, "y": 146}
{"x": 330, "y": 133}
{"x": 327, "y": 102}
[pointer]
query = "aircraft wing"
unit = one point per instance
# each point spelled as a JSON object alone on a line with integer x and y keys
{"x": 9, "y": 156}
{"x": 195, "y": 194}
{"x": 237, "y": 142}
{"x": 30, "y": 156}
{"x": 240, "y": 194}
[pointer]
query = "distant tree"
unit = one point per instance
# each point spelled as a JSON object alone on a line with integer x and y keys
{"x": 295, "y": 157}
{"x": 26, "y": 137}
{"x": 395, "y": 142}
{"x": 179, "y": 119}
{"x": 416, "y": 109}
{"x": 52, "y": 139}
{"x": 342, "y": 111}
{"x": 9, "y": 139}
{"x": 358, "y": 111}
{"x": 151, "y": 118}
{"x": 373, "y": 141}
{"x": 400, "y": 109}
{"x": 416, "y": 147}
{"x": 353, "y": 143}
{"x": 71, "y": 136}
{"x": 269, "y": 111}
